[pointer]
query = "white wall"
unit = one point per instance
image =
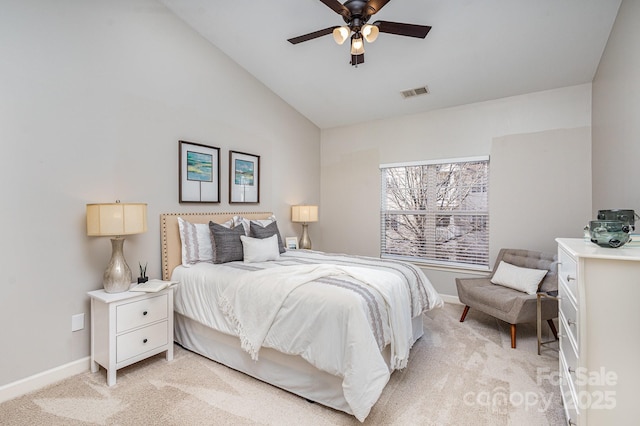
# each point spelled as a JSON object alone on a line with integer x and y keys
{"x": 616, "y": 116}
{"x": 94, "y": 96}
{"x": 350, "y": 177}
{"x": 540, "y": 188}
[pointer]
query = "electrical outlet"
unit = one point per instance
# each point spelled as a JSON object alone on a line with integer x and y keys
{"x": 77, "y": 322}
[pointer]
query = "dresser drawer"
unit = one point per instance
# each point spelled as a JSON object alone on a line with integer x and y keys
{"x": 569, "y": 311}
{"x": 567, "y": 273}
{"x": 137, "y": 314}
{"x": 137, "y": 342}
{"x": 567, "y": 347}
{"x": 569, "y": 394}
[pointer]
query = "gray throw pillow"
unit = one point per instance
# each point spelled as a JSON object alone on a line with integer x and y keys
{"x": 227, "y": 243}
{"x": 257, "y": 231}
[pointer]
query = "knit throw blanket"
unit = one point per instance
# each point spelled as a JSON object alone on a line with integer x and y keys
{"x": 253, "y": 303}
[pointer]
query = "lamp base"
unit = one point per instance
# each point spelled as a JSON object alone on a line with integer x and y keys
{"x": 117, "y": 276}
{"x": 305, "y": 241}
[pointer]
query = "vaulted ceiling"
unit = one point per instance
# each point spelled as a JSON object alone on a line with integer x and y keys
{"x": 475, "y": 51}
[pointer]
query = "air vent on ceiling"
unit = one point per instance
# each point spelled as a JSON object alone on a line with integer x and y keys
{"x": 424, "y": 90}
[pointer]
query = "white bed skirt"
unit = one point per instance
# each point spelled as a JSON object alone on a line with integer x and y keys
{"x": 289, "y": 372}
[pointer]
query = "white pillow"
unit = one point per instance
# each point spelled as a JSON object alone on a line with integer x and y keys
{"x": 260, "y": 250}
{"x": 197, "y": 242}
{"x": 518, "y": 278}
{"x": 265, "y": 222}
{"x": 239, "y": 220}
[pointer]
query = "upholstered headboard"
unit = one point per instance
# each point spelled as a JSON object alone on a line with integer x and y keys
{"x": 170, "y": 234}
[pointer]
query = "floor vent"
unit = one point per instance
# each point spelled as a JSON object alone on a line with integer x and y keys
{"x": 415, "y": 92}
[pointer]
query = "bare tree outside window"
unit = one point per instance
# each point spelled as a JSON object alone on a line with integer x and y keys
{"x": 437, "y": 212}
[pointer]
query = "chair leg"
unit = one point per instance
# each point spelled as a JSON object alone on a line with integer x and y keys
{"x": 513, "y": 336}
{"x": 552, "y": 326}
{"x": 464, "y": 313}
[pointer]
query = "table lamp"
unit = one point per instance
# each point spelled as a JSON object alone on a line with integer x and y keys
{"x": 304, "y": 214}
{"x": 115, "y": 220}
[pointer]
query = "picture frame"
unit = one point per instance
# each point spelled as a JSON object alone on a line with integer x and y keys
{"x": 244, "y": 178}
{"x": 291, "y": 243}
{"x": 198, "y": 173}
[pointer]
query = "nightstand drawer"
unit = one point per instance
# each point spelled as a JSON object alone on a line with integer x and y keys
{"x": 136, "y": 314}
{"x": 140, "y": 341}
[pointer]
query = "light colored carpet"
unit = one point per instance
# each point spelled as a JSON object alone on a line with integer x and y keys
{"x": 458, "y": 374}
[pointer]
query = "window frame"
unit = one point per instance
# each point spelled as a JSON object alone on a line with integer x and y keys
{"x": 433, "y": 262}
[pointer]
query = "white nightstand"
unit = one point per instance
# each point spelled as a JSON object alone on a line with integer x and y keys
{"x": 129, "y": 327}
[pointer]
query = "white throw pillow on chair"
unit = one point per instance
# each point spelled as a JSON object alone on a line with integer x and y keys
{"x": 518, "y": 278}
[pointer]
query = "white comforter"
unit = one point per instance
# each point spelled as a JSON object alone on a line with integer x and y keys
{"x": 337, "y": 312}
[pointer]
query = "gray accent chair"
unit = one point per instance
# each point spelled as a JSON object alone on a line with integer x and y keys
{"x": 512, "y": 306}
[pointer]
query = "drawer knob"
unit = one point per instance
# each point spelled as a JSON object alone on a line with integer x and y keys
{"x": 570, "y": 278}
{"x": 571, "y": 322}
{"x": 569, "y": 369}
{"x": 144, "y": 341}
{"x": 144, "y": 313}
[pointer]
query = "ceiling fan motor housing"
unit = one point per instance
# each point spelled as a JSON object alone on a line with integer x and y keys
{"x": 357, "y": 16}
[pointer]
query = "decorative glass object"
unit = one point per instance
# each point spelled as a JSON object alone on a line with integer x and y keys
{"x": 627, "y": 216}
{"x": 609, "y": 233}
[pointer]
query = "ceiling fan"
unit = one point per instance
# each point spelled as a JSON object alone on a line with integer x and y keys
{"x": 356, "y": 14}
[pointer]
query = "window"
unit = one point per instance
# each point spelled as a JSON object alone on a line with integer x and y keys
{"x": 436, "y": 212}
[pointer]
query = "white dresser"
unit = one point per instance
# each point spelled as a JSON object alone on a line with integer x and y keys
{"x": 128, "y": 327}
{"x": 599, "y": 318}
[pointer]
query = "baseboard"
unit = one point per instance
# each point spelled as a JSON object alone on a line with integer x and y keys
{"x": 45, "y": 378}
{"x": 450, "y": 299}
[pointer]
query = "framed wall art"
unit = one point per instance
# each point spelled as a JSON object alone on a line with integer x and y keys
{"x": 199, "y": 173}
{"x": 244, "y": 177}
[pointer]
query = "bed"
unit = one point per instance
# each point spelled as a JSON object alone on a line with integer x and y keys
{"x": 284, "y": 320}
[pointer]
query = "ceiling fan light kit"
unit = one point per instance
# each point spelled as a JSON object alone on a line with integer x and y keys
{"x": 356, "y": 14}
{"x": 357, "y": 45}
{"x": 341, "y": 34}
{"x": 370, "y": 32}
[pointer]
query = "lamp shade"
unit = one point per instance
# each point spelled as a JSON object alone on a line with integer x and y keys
{"x": 114, "y": 219}
{"x": 304, "y": 214}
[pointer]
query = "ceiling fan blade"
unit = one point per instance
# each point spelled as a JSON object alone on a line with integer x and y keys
{"x": 357, "y": 59}
{"x": 374, "y": 6}
{"x": 311, "y": 36}
{"x": 398, "y": 28}
{"x": 337, "y": 7}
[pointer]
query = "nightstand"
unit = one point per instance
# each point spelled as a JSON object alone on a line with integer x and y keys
{"x": 128, "y": 327}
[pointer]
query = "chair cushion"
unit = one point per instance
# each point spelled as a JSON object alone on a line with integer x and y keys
{"x": 501, "y": 298}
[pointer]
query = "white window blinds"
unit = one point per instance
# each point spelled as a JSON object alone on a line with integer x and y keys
{"x": 436, "y": 212}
